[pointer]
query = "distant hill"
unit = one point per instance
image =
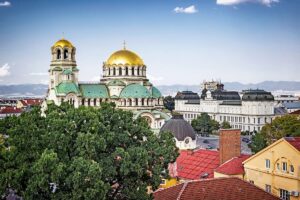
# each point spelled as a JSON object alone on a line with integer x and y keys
{"x": 28, "y": 90}
{"x": 41, "y": 89}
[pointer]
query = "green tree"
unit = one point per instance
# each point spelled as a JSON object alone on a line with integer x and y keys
{"x": 225, "y": 125}
{"x": 169, "y": 103}
{"x": 83, "y": 153}
{"x": 204, "y": 125}
{"x": 284, "y": 126}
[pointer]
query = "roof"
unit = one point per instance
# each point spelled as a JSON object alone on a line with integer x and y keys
{"x": 31, "y": 102}
{"x": 279, "y": 111}
{"x": 63, "y": 43}
{"x": 10, "y": 110}
{"x": 187, "y": 95}
{"x": 192, "y": 165}
{"x": 94, "y": 91}
{"x": 292, "y": 105}
{"x": 294, "y": 141}
{"x": 233, "y": 166}
{"x": 179, "y": 128}
{"x": 231, "y": 188}
{"x": 257, "y": 95}
{"x": 225, "y": 95}
{"x": 297, "y": 112}
{"x": 116, "y": 83}
{"x": 135, "y": 91}
{"x": 156, "y": 93}
{"x": 66, "y": 88}
{"x": 124, "y": 57}
{"x": 67, "y": 72}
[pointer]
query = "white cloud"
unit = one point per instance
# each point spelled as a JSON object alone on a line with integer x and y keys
{"x": 38, "y": 74}
{"x": 236, "y": 2}
{"x": 188, "y": 10}
{"x": 96, "y": 78}
{"x": 5, "y": 4}
{"x": 4, "y": 70}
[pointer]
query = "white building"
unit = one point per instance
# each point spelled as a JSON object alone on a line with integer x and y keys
{"x": 249, "y": 113}
{"x": 124, "y": 82}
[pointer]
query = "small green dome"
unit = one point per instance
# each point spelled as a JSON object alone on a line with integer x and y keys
{"x": 116, "y": 83}
{"x": 135, "y": 91}
{"x": 156, "y": 93}
{"x": 67, "y": 72}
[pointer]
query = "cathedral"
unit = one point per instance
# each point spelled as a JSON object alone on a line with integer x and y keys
{"x": 124, "y": 82}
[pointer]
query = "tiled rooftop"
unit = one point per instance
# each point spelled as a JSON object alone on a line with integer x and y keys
{"x": 192, "y": 165}
{"x": 294, "y": 141}
{"x": 212, "y": 189}
{"x": 233, "y": 166}
{"x": 9, "y": 110}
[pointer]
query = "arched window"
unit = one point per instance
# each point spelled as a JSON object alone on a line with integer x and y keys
{"x": 58, "y": 56}
{"x": 120, "y": 71}
{"x": 132, "y": 71}
{"x": 65, "y": 54}
{"x": 130, "y": 102}
{"x": 95, "y": 102}
{"x": 143, "y": 102}
{"x": 89, "y": 102}
{"x": 138, "y": 71}
{"x": 114, "y": 71}
{"x": 109, "y": 71}
{"x": 136, "y": 101}
{"x": 82, "y": 101}
{"x": 126, "y": 71}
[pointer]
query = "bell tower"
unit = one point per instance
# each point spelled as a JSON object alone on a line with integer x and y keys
{"x": 63, "y": 73}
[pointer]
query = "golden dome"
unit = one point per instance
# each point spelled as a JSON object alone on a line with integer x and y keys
{"x": 63, "y": 43}
{"x": 124, "y": 57}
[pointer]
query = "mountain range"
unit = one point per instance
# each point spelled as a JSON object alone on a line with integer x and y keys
{"x": 40, "y": 90}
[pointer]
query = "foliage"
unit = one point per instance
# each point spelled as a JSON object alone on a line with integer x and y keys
{"x": 225, "y": 125}
{"x": 83, "y": 153}
{"x": 169, "y": 103}
{"x": 204, "y": 125}
{"x": 285, "y": 126}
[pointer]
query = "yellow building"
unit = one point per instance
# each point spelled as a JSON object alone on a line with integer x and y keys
{"x": 276, "y": 168}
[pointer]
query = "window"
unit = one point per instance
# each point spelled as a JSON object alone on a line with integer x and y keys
{"x": 278, "y": 166}
{"x": 268, "y": 188}
{"x": 163, "y": 181}
{"x": 291, "y": 168}
{"x": 284, "y": 194}
{"x": 65, "y": 54}
{"x": 258, "y": 120}
{"x": 268, "y": 163}
{"x": 284, "y": 166}
{"x": 252, "y": 182}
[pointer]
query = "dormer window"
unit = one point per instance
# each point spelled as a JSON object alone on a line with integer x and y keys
{"x": 284, "y": 166}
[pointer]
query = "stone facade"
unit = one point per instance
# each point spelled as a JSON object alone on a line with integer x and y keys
{"x": 124, "y": 82}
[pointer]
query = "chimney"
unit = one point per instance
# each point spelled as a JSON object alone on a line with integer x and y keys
{"x": 229, "y": 144}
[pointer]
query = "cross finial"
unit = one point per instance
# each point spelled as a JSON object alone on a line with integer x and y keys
{"x": 63, "y": 33}
{"x": 124, "y": 45}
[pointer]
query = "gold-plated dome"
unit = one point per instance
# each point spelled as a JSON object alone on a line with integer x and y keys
{"x": 63, "y": 43}
{"x": 124, "y": 57}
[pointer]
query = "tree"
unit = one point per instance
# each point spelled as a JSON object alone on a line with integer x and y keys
{"x": 225, "y": 125}
{"x": 83, "y": 153}
{"x": 169, "y": 103}
{"x": 204, "y": 125}
{"x": 285, "y": 126}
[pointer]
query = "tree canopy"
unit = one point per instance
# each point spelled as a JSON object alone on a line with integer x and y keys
{"x": 169, "y": 103}
{"x": 284, "y": 126}
{"x": 204, "y": 125}
{"x": 225, "y": 125}
{"x": 83, "y": 153}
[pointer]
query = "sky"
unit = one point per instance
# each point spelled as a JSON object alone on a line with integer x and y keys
{"x": 180, "y": 41}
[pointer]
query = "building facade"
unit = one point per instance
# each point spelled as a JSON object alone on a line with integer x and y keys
{"x": 276, "y": 168}
{"x": 124, "y": 82}
{"x": 249, "y": 111}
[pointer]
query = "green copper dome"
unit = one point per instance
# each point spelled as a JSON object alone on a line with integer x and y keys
{"x": 66, "y": 88}
{"x": 135, "y": 91}
{"x": 94, "y": 91}
{"x": 67, "y": 72}
{"x": 156, "y": 93}
{"x": 116, "y": 83}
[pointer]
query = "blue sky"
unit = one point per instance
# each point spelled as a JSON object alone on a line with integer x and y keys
{"x": 181, "y": 41}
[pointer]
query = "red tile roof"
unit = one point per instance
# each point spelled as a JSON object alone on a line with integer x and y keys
{"x": 192, "y": 164}
{"x": 233, "y": 166}
{"x": 294, "y": 141}
{"x": 31, "y": 102}
{"x": 10, "y": 109}
{"x": 212, "y": 189}
{"x": 297, "y": 112}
